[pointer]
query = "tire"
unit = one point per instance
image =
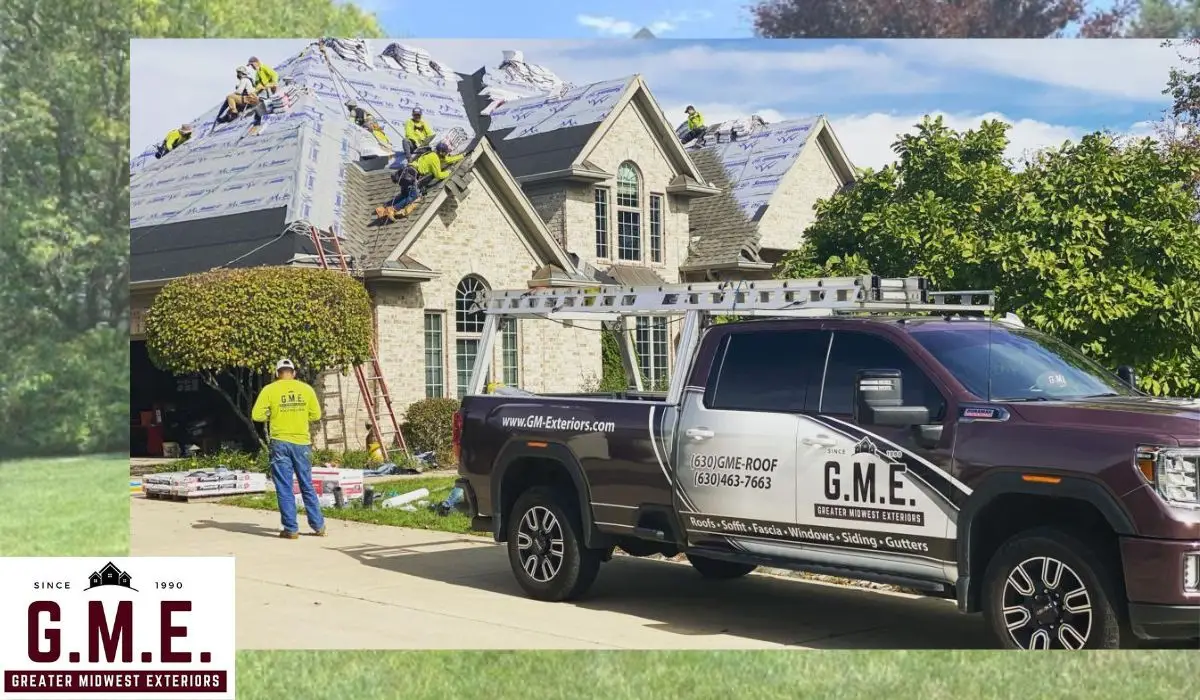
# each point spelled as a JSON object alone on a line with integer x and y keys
{"x": 555, "y": 572}
{"x": 719, "y": 569}
{"x": 1081, "y": 610}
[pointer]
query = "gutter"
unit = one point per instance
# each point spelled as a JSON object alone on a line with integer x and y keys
{"x": 572, "y": 173}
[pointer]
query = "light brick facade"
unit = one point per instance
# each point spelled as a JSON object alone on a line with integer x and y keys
{"x": 569, "y": 209}
{"x": 474, "y": 237}
{"x": 812, "y": 177}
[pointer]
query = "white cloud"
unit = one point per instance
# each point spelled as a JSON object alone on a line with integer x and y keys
{"x": 868, "y": 138}
{"x": 1131, "y": 69}
{"x": 608, "y": 26}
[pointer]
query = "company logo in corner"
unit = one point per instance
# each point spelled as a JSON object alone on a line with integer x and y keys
{"x": 146, "y": 627}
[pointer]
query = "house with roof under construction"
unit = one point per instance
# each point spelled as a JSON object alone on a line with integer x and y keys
{"x": 561, "y": 186}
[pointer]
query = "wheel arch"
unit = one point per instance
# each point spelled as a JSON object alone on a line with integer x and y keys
{"x": 994, "y": 490}
{"x": 555, "y": 465}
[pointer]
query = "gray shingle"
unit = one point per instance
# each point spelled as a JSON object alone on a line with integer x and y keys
{"x": 722, "y": 229}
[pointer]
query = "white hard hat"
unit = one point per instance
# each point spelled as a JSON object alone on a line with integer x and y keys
{"x": 284, "y": 364}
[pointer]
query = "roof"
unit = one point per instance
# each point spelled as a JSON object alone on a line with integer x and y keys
{"x": 723, "y": 234}
{"x": 631, "y": 276}
{"x": 748, "y": 159}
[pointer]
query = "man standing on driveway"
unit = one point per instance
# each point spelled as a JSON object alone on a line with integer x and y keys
{"x": 287, "y": 405}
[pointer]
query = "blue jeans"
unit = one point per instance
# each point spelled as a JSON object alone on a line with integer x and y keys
{"x": 288, "y": 458}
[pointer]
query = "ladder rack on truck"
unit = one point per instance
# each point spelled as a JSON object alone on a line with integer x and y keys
{"x": 700, "y": 302}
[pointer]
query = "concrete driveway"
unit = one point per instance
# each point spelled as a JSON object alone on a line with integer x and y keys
{"x": 376, "y": 587}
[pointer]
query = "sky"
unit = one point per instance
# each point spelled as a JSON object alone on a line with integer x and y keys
{"x": 870, "y": 91}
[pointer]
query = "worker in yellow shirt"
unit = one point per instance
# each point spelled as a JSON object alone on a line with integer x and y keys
{"x": 695, "y": 125}
{"x": 265, "y": 77}
{"x": 175, "y": 138}
{"x": 287, "y": 405}
{"x": 433, "y": 166}
{"x": 417, "y": 132}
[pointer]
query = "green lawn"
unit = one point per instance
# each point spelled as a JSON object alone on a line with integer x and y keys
{"x": 616, "y": 675}
{"x": 439, "y": 487}
{"x": 65, "y": 507}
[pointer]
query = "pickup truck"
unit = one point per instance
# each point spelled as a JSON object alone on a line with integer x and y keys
{"x": 956, "y": 454}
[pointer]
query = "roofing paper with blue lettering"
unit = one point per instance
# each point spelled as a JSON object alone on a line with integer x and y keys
{"x": 299, "y": 157}
{"x": 757, "y": 163}
{"x": 585, "y": 104}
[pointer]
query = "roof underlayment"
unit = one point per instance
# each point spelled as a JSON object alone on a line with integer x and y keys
{"x": 758, "y": 158}
{"x": 298, "y": 158}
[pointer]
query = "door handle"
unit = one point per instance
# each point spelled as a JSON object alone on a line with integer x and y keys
{"x": 699, "y": 433}
{"x": 820, "y": 440}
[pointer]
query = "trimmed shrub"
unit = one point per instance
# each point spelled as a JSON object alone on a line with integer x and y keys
{"x": 429, "y": 425}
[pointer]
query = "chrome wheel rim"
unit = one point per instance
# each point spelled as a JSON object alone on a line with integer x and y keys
{"x": 540, "y": 545}
{"x": 1046, "y": 605}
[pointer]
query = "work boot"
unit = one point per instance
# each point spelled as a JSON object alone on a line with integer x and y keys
{"x": 289, "y": 535}
{"x": 380, "y": 212}
{"x": 319, "y": 533}
{"x": 408, "y": 209}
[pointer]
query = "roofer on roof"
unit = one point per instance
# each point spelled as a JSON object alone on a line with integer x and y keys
{"x": 265, "y": 77}
{"x": 368, "y": 122}
{"x": 175, "y": 138}
{"x": 243, "y": 96}
{"x": 417, "y": 132}
{"x": 695, "y": 125}
{"x": 415, "y": 178}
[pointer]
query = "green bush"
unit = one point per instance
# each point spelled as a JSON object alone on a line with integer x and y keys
{"x": 429, "y": 425}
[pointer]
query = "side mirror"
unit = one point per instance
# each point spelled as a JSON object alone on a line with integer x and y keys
{"x": 1128, "y": 375}
{"x": 878, "y": 400}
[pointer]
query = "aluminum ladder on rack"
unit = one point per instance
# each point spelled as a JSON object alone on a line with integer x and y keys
{"x": 368, "y": 374}
{"x": 701, "y": 302}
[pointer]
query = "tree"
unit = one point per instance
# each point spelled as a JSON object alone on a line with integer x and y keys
{"x": 233, "y": 325}
{"x": 251, "y": 19}
{"x": 1030, "y": 19}
{"x": 1167, "y": 18}
{"x": 64, "y": 212}
{"x": 1095, "y": 242}
{"x": 1181, "y": 127}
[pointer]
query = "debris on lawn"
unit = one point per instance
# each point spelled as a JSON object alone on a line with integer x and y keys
{"x": 405, "y": 498}
{"x": 389, "y": 469}
{"x": 331, "y": 484}
{"x": 219, "y": 482}
{"x": 447, "y": 506}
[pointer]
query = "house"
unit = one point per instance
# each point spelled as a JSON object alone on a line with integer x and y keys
{"x": 109, "y": 575}
{"x": 561, "y": 185}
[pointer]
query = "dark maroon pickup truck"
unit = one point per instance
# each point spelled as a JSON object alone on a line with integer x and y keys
{"x": 972, "y": 459}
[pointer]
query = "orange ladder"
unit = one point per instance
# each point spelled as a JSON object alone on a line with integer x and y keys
{"x": 369, "y": 374}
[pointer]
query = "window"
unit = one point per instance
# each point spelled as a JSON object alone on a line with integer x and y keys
{"x": 852, "y": 352}
{"x": 467, "y": 317}
{"x": 510, "y": 365}
{"x": 468, "y": 325}
{"x": 656, "y": 228}
{"x": 435, "y": 381}
{"x": 1004, "y": 364}
{"x": 769, "y": 371}
{"x": 601, "y": 199}
{"x": 629, "y": 213}
{"x": 650, "y": 344}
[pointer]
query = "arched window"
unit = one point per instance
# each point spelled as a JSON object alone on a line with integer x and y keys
{"x": 629, "y": 212}
{"x": 468, "y": 325}
{"x": 468, "y": 318}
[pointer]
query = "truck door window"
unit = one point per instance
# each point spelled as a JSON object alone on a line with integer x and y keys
{"x": 852, "y": 352}
{"x": 768, "y": 370}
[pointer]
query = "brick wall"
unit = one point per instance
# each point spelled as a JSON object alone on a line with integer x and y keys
{"x": 811, "y": 177}
{"x": 474, "y": 237}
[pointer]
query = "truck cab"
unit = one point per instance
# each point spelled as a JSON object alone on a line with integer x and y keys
{"x": 867, "y": 428}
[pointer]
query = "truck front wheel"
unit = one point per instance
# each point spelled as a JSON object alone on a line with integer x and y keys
{"x": 719, "y": 568}
{"x": 1047, "y": 589}
{"x": 546, "y": 549}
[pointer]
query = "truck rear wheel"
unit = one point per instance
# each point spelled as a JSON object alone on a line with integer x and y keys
{"x": 546, "y": 549}
{"x": 1047, "y": 589}
{"x": 719, "y": 569}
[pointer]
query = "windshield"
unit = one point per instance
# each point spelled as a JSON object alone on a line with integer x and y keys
{"x": 1009, "y": 364}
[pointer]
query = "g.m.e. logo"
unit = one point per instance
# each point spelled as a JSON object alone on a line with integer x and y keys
{"x": 152, "y": 627}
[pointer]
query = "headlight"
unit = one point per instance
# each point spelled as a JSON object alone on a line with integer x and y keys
{"x": 1174, "y": 472}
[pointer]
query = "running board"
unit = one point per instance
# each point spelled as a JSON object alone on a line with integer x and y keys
{"x": 932, "y": 588}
